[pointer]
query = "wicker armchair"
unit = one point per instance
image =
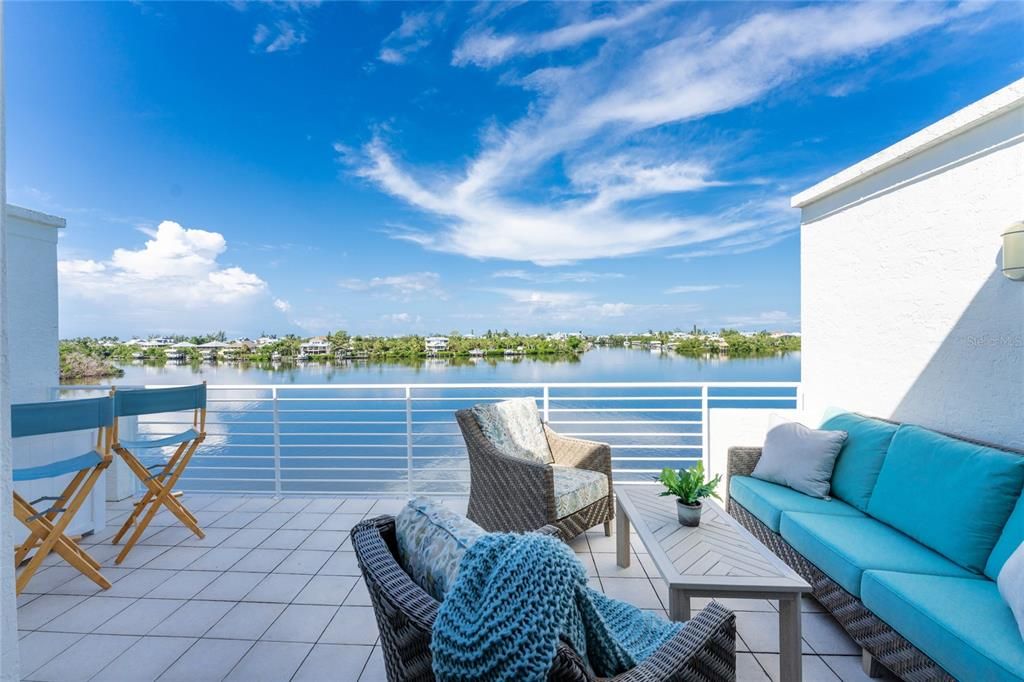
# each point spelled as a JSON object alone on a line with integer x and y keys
{"x": 704, "y": 651}
{"x": 515, "y": 495}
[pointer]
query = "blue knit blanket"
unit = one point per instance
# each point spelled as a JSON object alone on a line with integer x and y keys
{"x": 515, "y": 596}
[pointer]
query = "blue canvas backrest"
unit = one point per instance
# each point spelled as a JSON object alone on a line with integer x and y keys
{"x": 133, "y": 402}
{"x": 58, "y": 416}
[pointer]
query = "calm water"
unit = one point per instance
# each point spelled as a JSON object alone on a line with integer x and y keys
{"x": 599, "y": 365}
{"x": 336, "y": 440}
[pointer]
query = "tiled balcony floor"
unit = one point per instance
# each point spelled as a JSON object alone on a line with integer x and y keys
{"x": 273, "y": 593}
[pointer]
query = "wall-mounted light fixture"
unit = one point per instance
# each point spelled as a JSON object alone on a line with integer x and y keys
{"x": 1013, "y": 251}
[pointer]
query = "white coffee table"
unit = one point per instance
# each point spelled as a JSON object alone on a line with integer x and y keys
{"x": 718, "y": 558}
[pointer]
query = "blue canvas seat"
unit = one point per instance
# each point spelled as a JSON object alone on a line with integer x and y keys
{"x": 47, "y": 526}
{"x": 961, "y": 623}
{"x": 159, "y": 473}
{"x": 767, "y": 501}
{"x": 176, "y": 439}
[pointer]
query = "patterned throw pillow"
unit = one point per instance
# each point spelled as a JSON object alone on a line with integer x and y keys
{"x": 431, "y": 541}
{"x": 515, "y": 428}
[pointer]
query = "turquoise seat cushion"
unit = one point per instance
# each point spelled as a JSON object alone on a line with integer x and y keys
{"x": 951, "y": 495}
{"x": 577, "y": 488}
{"x": 431, "y": 541}
{"x": 843, "y": 547}
{"x": 1009, "y": 540}
{"x": 960, "y": 623}
{"x": 767, "y": 501}
{"x": 860, "y": 460}
{"x": 515, "y": 428}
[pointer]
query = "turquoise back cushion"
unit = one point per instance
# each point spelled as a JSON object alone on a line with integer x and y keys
{"x": 1010, "y": 539}
{"x": 861, "y": 458}
{"x": 431, "y": 541}
{"x": 947, "y": 494}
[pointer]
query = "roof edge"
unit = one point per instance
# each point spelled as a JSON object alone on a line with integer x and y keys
{"x": 999, "y": 102}
{"x": 37, "y": 217}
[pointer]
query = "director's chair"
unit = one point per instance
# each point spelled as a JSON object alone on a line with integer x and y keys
{"x": 46, "y": 527}
{"x": 161, "y": 473}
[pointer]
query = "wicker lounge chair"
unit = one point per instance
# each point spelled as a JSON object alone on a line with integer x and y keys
{"x": 512, "y": 494}
{"x": 704, "y": 651}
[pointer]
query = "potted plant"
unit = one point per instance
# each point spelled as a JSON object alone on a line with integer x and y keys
{"x": 689, "y": 488}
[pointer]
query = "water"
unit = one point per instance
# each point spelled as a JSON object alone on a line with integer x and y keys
{"x": 598, "y": 365}
{"x": 331, "y": 437}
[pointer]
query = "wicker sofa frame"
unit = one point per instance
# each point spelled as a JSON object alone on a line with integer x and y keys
{"x": 704, "y": 651}
{"x": 883, "y": 648}
{"x": 511, "y": 494}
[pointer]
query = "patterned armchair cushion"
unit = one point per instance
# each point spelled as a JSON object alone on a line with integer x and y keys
{"x": 515, "y": 428}
{"x": 577, "y": 488}
{"x": 431, "y": 541}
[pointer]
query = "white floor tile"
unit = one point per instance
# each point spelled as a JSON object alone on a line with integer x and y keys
{"x": 140, "y": 617}
{"x": 192, "y": 619}
{"x": 330, "y": 590}
{"x": 88, "y": 615}
{"x": 147, "y": 659}
{"x": 38, "y": 648}
{"x": 208, "y": 660}
{"x": 351, "y": 625}
{"x": 84, "y": 658}
{"x": 270, "y": 662}
{"x": 246, "y": 621}
{"x": 40, "y": 611}
{"x": 326, "y": 661}
{"x": 184, "y": 584}
{"x": 300, "y": 623}
{"x": 277, "y": 587}
{"x": 231, "y": 586}
{"x": 815, "y": 669}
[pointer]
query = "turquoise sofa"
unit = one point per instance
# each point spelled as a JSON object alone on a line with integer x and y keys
{"x": 906, "y": 551}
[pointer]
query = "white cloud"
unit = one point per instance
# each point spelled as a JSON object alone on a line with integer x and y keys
{"x": 696, "y": 288}
{"x": 175, "y": 282}
{"x": 577, "y": 276}
{"x": 589, "y": 112}
{"x": 484, "y": 48}
{"x": 530, "y": 306}
{"x": 284, "y": 36}
{"x": 398, "y": 286}
{"x": 412, "y": 35}
{"x": 764, "y": 320}
{"x": 282, "y": 305}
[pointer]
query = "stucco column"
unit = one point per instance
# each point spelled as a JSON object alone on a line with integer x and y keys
{"x": 8, "y": 607}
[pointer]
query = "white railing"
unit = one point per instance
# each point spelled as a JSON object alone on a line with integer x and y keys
{"x": 403, "y": 438}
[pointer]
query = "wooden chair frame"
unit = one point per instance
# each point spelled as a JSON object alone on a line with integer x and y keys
{"x": 159, "y": 486}
{"x": 47, "y": 528}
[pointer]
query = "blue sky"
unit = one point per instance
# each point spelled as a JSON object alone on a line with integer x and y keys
{"x": 401, "y": 167}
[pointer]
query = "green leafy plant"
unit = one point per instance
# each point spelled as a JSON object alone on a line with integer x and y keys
{"x": 688, "y": 485}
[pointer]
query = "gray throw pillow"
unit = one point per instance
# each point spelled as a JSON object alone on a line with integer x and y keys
{"x": 800, "y": 458}
{"x": 1011, "y": 585}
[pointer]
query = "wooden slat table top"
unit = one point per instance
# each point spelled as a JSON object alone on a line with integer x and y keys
{"x": 718, "y": 555}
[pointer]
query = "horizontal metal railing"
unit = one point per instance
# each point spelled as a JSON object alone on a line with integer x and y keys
{"x": 403, "y": 439}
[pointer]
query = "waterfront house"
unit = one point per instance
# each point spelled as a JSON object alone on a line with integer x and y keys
{"x": 317, "y": 346}
{"x": 435, "y": 344}
{"x": 211, "y": 349}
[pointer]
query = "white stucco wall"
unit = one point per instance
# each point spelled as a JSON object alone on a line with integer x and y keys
{"x": 32, "y": 303}
{"x": 8, "y": 612}
{"x": 905, "y": 313}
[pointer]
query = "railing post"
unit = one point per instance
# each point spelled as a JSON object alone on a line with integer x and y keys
{"x": 277, "y": 444}
{"x": 704, "y": 449}
{"x": 408, "y": 438}
{"x": 547, "y": 404}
